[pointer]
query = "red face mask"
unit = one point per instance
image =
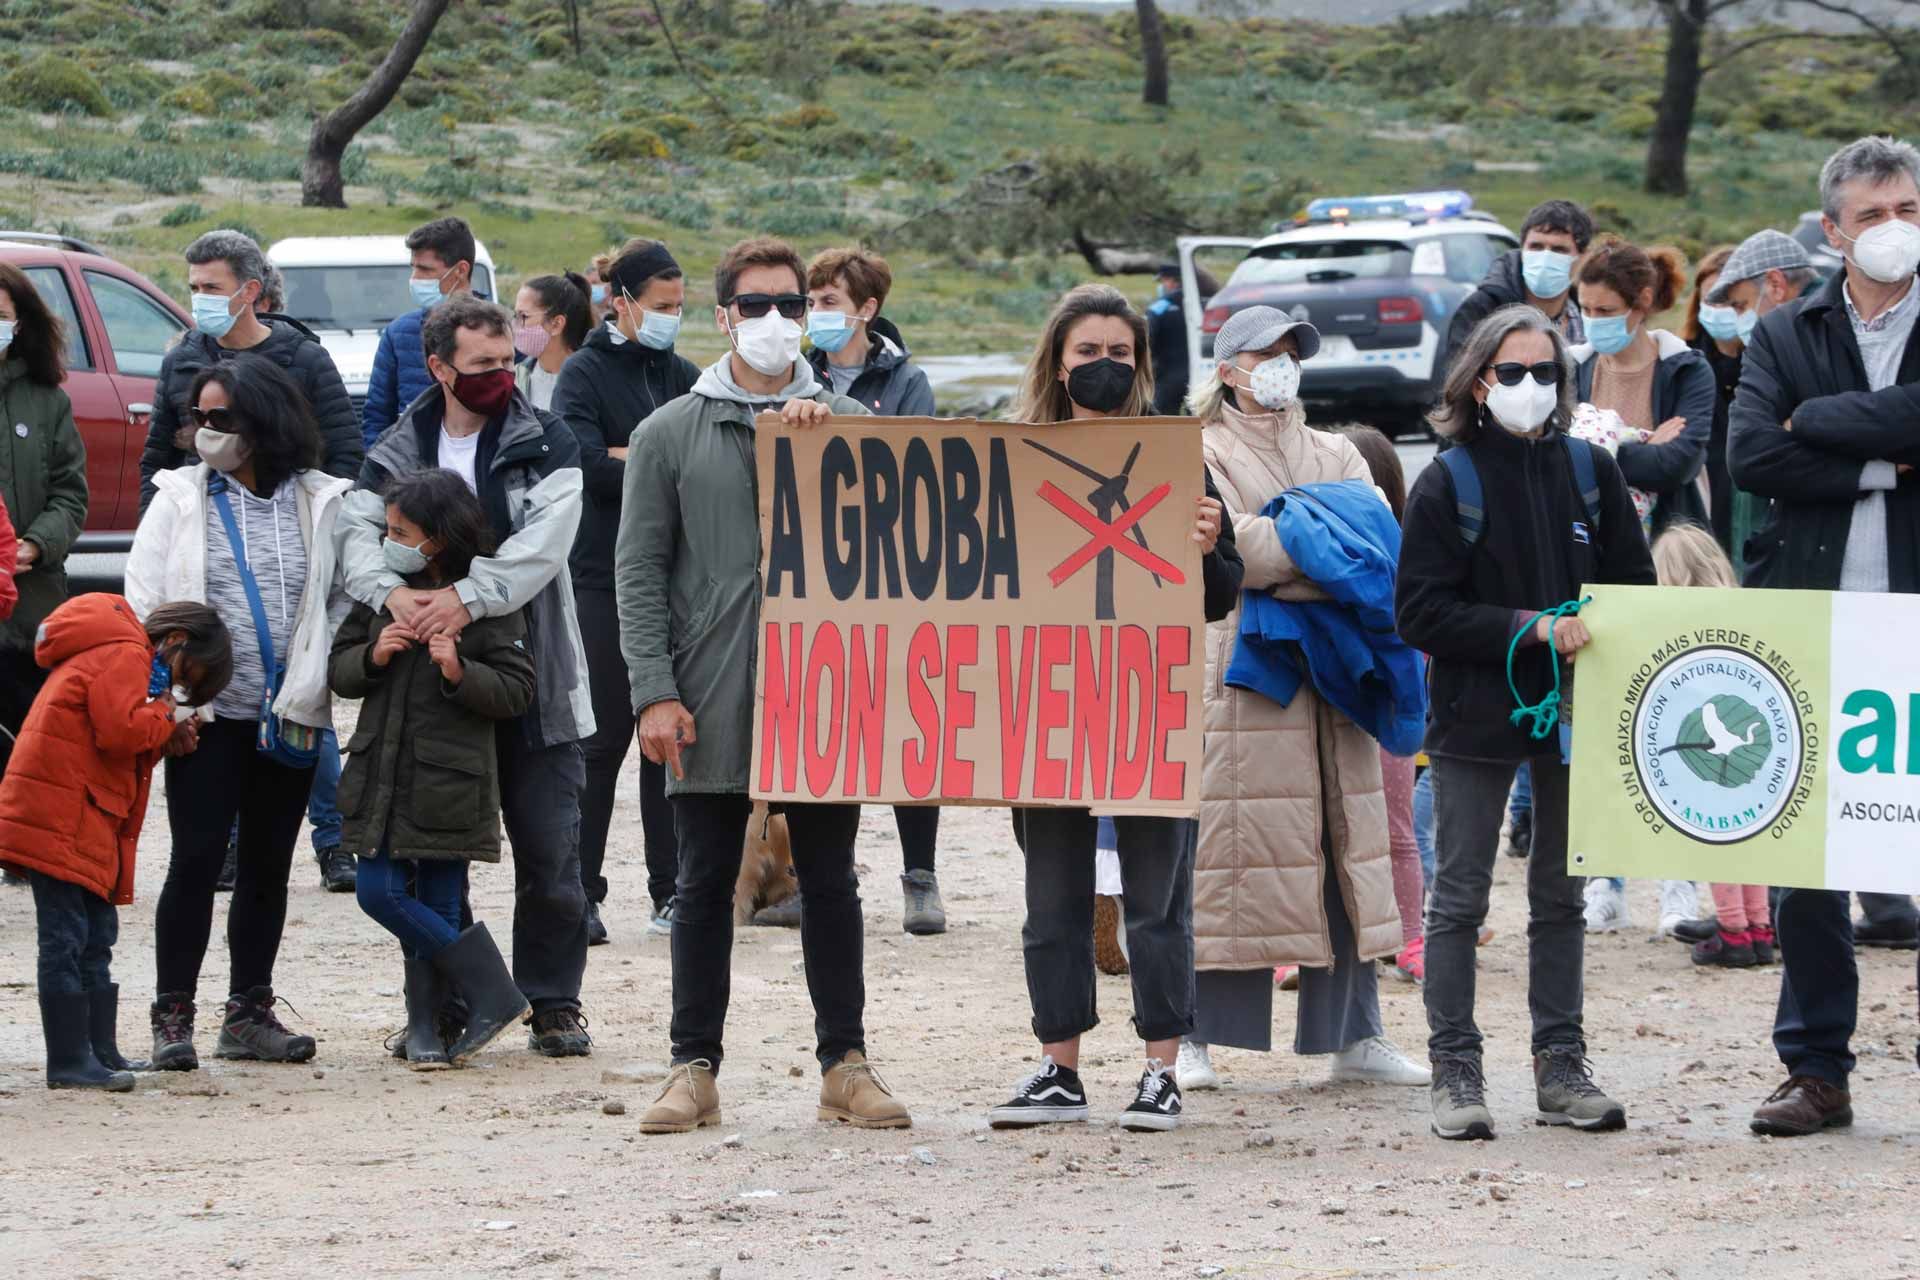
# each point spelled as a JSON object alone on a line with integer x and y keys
{"x": 487, "y": 394}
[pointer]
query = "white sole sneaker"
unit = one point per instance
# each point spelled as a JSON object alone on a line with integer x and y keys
{"x": 1148, "y": 1122}
{"x": 1031, "y": 1117}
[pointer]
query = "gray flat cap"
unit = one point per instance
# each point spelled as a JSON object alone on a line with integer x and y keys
{"x": 1257, "y": 328}
{"x": 1759, "y": 253}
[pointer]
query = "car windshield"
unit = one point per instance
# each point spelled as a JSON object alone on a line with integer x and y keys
{"x": 1318, "y": 261}
{"x": 354, "y": 297}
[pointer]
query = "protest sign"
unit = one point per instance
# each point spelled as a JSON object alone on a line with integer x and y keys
{"x": 987, "y": 613}
{"x": 1752, "y": 737}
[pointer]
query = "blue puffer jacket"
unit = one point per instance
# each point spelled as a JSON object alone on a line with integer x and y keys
{"x": 1346, "y": 541}
{"x": 399, "y": 375}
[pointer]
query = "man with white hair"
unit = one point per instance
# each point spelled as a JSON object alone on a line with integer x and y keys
{"x": 1826, "y": 423}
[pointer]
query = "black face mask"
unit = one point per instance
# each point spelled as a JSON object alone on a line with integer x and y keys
{"x": 1100, "y": 385}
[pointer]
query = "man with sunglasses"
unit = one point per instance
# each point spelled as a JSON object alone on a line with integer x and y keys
{"x": 686, "y": 569}
{"x": 443, "y": 252}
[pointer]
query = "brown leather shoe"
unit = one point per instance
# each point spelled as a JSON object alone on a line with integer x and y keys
{"x": 1803, "y": 1105}
{"x": 852, "y": 1092}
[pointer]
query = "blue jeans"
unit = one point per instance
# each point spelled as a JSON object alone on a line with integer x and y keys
{"x": 77, "y": 931}
{"x": 1521, "y": 800}
{"x": 1423, "y": 822}
{"x": 323, "y": 802}
{"x": 426, "y": 919}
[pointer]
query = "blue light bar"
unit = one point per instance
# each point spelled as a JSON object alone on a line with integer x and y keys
{"x": 1419, "y": 205}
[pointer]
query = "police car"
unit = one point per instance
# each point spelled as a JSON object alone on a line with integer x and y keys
{"x": 1379, "y": 277}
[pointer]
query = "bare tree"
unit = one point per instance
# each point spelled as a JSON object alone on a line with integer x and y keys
{"x": 321, "y": 185}
{"x": 1153, "y": 51}
{"x": 573, "y": 24}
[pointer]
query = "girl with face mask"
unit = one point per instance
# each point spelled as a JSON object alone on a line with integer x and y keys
{"x": 425, "y": 703}
{"x": 1301, "y": 891}
{"x": 551, "y": 318}
{"x": 1472, "y": 578}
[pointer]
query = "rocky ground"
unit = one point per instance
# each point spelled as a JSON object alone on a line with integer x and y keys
{"x": 350, "y": 1165}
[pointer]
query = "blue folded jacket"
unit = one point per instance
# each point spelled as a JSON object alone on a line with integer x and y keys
{"x": 1344, "y": 539}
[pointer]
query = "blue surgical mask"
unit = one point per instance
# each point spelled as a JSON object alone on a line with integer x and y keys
{"x": 1749, "y": 321}
{"x": 830, "y": 330}
{"x": 426, "y": 293}
{"x": 1610, "y": 335}
{"x": 403, "y": 559}
{"x": 6, "y": 334}
{"x": 211, "y": 315}
{"x": 1721, "y": 323}
{"x": 600, "y": 295}
{"x": 1546, "y": 272}
{"x": 658, "y": 330}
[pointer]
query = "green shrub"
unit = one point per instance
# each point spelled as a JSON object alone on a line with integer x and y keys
{"x": 54, "y": 83}
{"x": 182, "y": 214}
{"x": 672, "y": 208}
{"x": 191, "y": 99}
{"x": 810, "y": 116}
{"x": 627, "y": 142}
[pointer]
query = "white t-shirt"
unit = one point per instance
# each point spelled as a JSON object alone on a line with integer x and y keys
{"x": 460, "y": 454}
{"x": 540, "y": 386}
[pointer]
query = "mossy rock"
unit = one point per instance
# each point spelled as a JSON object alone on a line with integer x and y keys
{"x": 627, "y": 142}
{"x": 54, "y": 83}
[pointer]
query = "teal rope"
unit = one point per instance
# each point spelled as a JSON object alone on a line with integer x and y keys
{"x": 1546, "y": 712}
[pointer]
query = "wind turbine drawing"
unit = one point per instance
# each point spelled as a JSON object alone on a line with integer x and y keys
{"x": 1115, "y": 514}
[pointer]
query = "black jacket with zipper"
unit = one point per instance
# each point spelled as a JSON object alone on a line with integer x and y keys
{"x": 605, "y": 390}
{"x": 889, "y": 385}
{"x": 1463, "y": 606}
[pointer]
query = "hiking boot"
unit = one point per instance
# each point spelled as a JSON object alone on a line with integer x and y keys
{"x": 1763, "y": 950}
{"x": 1727, "y": 950}
{"x": 1692, "y": 932}
{"x": 252, "y": 1033}
{"x": 483, "y": 988}
{"x": 1520, "y": 835}
{"x": 1460, "y": 1099}
{"x": 660, "y": 923}
{"x": 229, "y": 868}
{"x": 172, "y": 1018}
{"x": 925, "y": 913}
{"x": 338, "y": 870}
{"x": 1193, "y": 1069}
{"x": 852, "y": 1092}
{"x": 560, "y": 1032}
{"x": 1108, "y": 954}
{"x": 1378, "y": 1060}
{"x": 689, "y": 1100}
{"x": 1566, "y": 1094}
{"x": 1679, "y": 903}
{"x": 781, "y": 915}
{"x": 103, "y": 1029}
{"x": 1156, "y": 1102}
{"x": 1606, "y": 910}
{"x": 596, "y": 927}
{"x": 1051, "y": 1095}
{"x": 1895, "y": 935}
{"x": 422, "y": 1046}
{"x": 1803, "y": 1105}
{"x": 71, "y": 1063}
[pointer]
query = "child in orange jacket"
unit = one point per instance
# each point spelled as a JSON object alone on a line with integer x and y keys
{"x": 75, "y": 794}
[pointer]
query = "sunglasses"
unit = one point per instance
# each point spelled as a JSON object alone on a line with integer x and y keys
{"x": 1512, "y": 373}
{"x": 792, "y": 306}
{"x": 220, "y": 419}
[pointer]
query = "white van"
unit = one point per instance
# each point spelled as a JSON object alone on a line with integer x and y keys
{"x": 348, "y": 289}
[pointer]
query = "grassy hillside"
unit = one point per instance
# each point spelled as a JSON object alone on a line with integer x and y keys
{"x": 140, "y": 123}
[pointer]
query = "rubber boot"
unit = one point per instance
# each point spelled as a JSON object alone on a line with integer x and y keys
{"x": 474, "y": 968}
{"x": 103, "y": 1009}
{"x": 70, "y": 1060}
{"x": 425, "y": 990}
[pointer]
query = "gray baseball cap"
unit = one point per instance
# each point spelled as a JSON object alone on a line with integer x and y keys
{"x": 1257, "y": 328}
{"x": 1759, "y": 253}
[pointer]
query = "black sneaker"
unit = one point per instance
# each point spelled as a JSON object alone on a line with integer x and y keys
{"x": 660, "y": 923}
{"x": 1156, "y": 1103}
{"x": 1895, "y": 935}
{"x": 1693, "y": 932}
{"x": 338, "y": 870}
{"x": 1520, "y": 837}
{"x": 229, "y": 868}
{"x": 1051, "y": 1095}
{"x": 1763, "y": 952}
{"x": 560, "y": 1033}
{"x": 596, "y": 927}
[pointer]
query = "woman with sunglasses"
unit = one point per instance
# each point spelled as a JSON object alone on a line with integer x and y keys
{"x": 1474, "y": 574}
{"x": 1091, "y": 363}
{"x": 249, "y": 531}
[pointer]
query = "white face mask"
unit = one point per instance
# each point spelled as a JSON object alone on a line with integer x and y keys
{"x": 1524, "y": 408}
{"x": 1888, "y": 252}
{"x": 1273, "y": 383}
{"x": 769, "y": 344}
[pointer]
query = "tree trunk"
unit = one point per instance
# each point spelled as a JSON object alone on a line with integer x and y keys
{"x": 573, "y": 25}
{"x": 1679, "y": 91}
{"x": 321, "y": 185}
{"x": 1153, "y": 51}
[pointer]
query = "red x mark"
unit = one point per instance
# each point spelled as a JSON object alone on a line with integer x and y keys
{"x": 1108, "y": 537}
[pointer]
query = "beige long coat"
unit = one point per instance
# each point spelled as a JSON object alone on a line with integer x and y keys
{"x": 1273, "y": 773}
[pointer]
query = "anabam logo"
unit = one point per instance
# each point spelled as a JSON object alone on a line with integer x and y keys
{"x": 1717, "y": 743}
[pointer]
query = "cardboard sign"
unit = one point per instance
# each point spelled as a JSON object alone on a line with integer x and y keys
{"x": 964, "y": 612}
{"x": 1750, "y": 737}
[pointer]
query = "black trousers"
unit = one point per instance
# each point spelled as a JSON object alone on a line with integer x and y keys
{"x": 606, "y": 755}
{"x": 919, "y": 826}
{"x": 225, "y": 779}
{"x": 21, "y": 679}
{"x": 712, "y": 829}
{"x": 540, "y": 806}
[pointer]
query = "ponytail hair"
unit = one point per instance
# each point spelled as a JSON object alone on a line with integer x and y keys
{"x": 568, "y": 296}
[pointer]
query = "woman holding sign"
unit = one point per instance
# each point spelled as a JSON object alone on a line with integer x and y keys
{"x": 1091, "y": 363}
{"x": 1501, "y": 533}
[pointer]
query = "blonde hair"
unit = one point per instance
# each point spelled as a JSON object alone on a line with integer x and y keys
{"x": 1212, "y": 396}
{"x": 1043, "y": 397}
{"x": 1687, "y": 556}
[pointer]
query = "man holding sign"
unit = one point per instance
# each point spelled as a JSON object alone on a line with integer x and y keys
{"x": 687, "y": 575}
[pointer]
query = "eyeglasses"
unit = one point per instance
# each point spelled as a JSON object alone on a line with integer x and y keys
{"x": 792, "y": 306}
{"x": 220, "y": 419}
{"x": 1512, "y": 373}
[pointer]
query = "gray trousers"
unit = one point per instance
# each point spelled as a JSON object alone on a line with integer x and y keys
{"x": 1469, "y": 800}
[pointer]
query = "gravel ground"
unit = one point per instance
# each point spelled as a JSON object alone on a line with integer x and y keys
{"x": 350, "y": 1165}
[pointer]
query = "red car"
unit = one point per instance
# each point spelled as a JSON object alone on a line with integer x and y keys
{"x": 119, "y": 326}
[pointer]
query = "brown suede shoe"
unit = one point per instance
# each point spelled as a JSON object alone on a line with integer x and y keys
{"x": 852, "y": 1092}
{"x": 689, "y": 1100}
{"x": 1803, "y": 1105}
